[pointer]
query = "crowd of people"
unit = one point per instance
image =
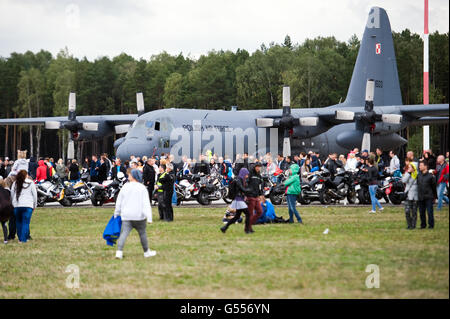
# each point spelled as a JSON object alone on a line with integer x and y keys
{"x": 426, "y": 180}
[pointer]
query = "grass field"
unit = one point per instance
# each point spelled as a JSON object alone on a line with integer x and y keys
{"x": 195, "y": 260}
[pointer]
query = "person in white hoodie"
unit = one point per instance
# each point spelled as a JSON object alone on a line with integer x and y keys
{"x": 24, "y": 201}
{"x": 133, "y": 206}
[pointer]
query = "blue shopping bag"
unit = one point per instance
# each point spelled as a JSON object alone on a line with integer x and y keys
{"x": 112, "y": 230}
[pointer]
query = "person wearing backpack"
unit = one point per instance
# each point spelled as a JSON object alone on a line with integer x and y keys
{"x": 239, "y": 190}
{"x": 293, "y": 189}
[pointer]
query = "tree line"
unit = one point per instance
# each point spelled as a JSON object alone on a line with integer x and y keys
{"x": 318, "y": 71}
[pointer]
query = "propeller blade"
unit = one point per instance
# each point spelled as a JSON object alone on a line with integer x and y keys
{"x": 70, "y": 149}
{"x": 286, "y": 96}
{"x": 52, "y": 125}
{"x": 90, "y": 126}
{"x": 366, "y": 142}
{"x": 286, "y": 147}
{"x": 370, "y": 90}
{"x": 121, "y": 129}
{"x": 286, "y": 101}
{"x": 391, "y": 118}
{"x": 308, "y": 121}
{"x": 72, "y": 102}
{"x": 345, "y": 115}
{"x": 264, "y": 122}
{"x": 140, "y": 103}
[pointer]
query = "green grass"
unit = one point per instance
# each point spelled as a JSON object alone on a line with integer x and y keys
{"x": 195, "y": 260}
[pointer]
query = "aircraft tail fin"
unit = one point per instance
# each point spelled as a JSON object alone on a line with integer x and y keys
{"x": 376, "y": 60}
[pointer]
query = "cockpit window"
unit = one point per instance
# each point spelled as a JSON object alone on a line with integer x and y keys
{"x": 164, "y": 124}
{"x": 142, "y": 124}
{"x": 138, "y": 123}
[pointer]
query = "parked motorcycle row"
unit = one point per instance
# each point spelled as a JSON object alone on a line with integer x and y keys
{"x": 67, "y": 193}
{"x": 348, "y": 186}
{"x": 351, "y": 186}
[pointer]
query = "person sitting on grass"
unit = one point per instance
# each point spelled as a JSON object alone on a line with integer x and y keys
{"x": 133, "y": 205}
{"x": 268, "y": 215}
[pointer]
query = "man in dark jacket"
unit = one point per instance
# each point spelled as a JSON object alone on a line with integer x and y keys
{"x": 118, "y": 167}
{"x": 102, "y": 170}
{"x": 201, "y": 167}
{"x": 93, "y": 168}
{"x": 255, "y": 184}
{"x": 381, "y": 159}
{"x": 426, "y": 186}
{"x": 167, "y": 181}
{"x": 32, "y": 167}
{"x": 149, "y": 175}
{"x": 332, "y": 164}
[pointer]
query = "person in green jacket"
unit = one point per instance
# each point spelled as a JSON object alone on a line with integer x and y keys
{"x": 293, "y": 184}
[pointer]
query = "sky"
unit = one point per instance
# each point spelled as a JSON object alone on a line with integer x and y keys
{"x": 141, "y": 28}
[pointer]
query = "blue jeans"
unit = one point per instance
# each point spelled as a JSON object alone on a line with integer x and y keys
{"x": 23, "y": 217}
{"x": 292, "y": 201}
{"x": 373, "y": 198}
{"x": 440, "y": 192}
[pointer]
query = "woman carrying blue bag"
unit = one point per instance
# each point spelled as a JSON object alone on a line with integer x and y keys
{"x": 133, "y": 206}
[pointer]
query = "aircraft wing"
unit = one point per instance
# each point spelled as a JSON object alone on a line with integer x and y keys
{"x": 110, "y": 119}
{"x": 429, "y": 120}
{"x": 409, "y": 112}
{"x": 32, "y": 120}
{"x": 421, "y": 110}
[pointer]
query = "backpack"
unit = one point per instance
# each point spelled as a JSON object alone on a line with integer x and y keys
{"x": 232, "y": 189}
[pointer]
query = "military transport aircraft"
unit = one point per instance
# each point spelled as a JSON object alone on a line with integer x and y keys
{"x": 371, "y": 115}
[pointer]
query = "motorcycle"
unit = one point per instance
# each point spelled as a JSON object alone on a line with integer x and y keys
{"x": 108, "y": 191}
{"x": 267, "y": 186}
{"x": 395, "y": 190}
{"x": 277, "y": 193}
{"x": 211, "y": 189}
{"x": 361, "y": 185}
{"x": 75, "y": 192}
{"x": 187, "y": 188}
{"x": 338, "y": 188}
{"x": 310, "y": 190}
{"x": 49, "y": 191}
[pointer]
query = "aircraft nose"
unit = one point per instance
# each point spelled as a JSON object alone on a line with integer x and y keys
{"x": 136, "y": 148}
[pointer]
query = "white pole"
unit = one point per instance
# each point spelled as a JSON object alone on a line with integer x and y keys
{"x": 426, "y": 128}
